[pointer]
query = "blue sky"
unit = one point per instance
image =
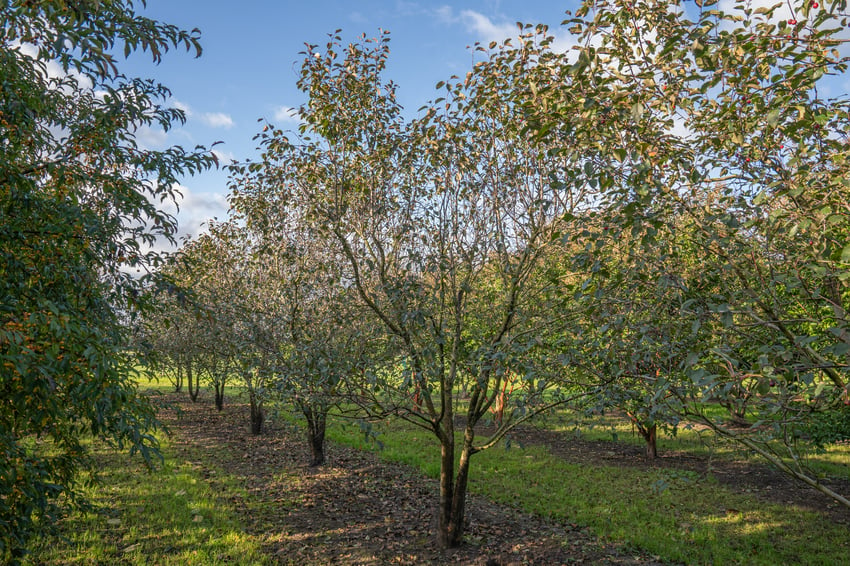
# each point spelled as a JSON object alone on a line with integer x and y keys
{"x": 251, "y": 59}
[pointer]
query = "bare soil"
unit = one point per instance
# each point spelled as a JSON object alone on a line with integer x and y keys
{"x": 359, "y": 510}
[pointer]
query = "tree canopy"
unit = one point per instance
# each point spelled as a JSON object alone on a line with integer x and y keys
{"x": 80, "y": 209}
{"x": 654, "y": 220}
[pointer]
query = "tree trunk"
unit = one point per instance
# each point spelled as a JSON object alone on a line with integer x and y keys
{"x": 193, "y": 389}
{"x": 219, "y": 395}
{"x": 452, "y": 510}
{"x": 316, "y": 421}
{"x": 178, "y": 379}
{"x": 447, "y": 469}
{"x": 258, "y": 415}
{"x": 650, "y": 435}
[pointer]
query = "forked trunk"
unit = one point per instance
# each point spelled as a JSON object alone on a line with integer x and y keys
{"x": 193, "y": 382}
{"x": 649, "y": 432}
{"x": 178, "y": 379}
{"x": 452, "y": 510}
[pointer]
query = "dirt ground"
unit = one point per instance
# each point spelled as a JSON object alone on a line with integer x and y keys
{"x": 358, "y": 510}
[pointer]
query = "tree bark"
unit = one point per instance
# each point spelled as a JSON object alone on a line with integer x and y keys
{"x": 219, "y": 396}
{"x": 195, "y": 389}
{"x": 453, "y": 487}
{"x": 178, "y": 379}
{"x": 447, "y": 468}
{"x": 258, "y": 415}
{"x": 316, "y": 421}
{"x": 650, "y": 435}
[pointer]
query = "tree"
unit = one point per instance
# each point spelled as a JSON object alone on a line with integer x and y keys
{"x": 212, "y": 269}
{"x": 728, "y": 127}
{"x": 441, "y": 224}
{"x": 316, "y": 337}
{"x": 79, "y": 203}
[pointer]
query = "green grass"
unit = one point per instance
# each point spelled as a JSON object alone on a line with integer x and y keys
{"x": 165, "y": 517}
{"x": 175, "y": 517}
{"x": 670, "y": 513}
{"x": 834, "y": 460}
{"x": 151, "y": 384}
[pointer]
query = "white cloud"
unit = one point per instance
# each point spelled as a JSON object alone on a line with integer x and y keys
{"x": 286, "y": 114}
{"x": 224, "y": 157}
{"x": 217, "y": 119}
{"x": 445, "y": 14}
{"x": 211, "y": 119}
{"x": 151, "y": 138}
{"x": 187, "y": 110}
{"x": 485, "y": 28}
{"x": 195, "y": 209}
{"x": 52, "y": 69}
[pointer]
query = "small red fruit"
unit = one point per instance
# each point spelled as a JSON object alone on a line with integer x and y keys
{"x": 815, "y": 4}
{"x": 792, "y": 22}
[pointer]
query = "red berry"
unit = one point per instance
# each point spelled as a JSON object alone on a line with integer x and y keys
{"x": 815, "y": 4}
{"x": 792, "y": 22}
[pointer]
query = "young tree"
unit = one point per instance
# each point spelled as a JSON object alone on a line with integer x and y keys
{"x": 441, "y": 225}
{"x": 79, "y": 200}
{"x": 730, "y": 128}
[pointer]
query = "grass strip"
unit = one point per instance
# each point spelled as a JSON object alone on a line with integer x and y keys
{"x": 166, "y": 517}
{"x": 666, "y": 512}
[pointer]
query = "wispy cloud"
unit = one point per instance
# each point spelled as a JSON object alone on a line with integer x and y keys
{"x": 224, "y": 157}
{"x": 195, "y": 209}
{"x": 217, "y": 119}
{"x": 187, "y": 110}
{"x": 151, "y": 138}
{"x": 357, "y": 18}
{"x": 485, "y": 28}
{"x": 211, "y": 119}
{"x": 286, "y": 115}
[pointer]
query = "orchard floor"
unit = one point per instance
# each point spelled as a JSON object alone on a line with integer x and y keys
{"x": 360, "y": 510}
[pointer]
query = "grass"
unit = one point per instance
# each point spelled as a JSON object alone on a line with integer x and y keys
{"x": 670, "y": 513}
{"x": 166, "y": 517}
{"x": 151, "y": 384}
{"x": 834, "y": 460}
{"x": 175, "y": 517}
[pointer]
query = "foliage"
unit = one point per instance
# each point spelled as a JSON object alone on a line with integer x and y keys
{"x": 79, "y": 210}
{"x": 828, "y": 427}
{"x": 718, "y": 117}
{"x": 439, "y": 225}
